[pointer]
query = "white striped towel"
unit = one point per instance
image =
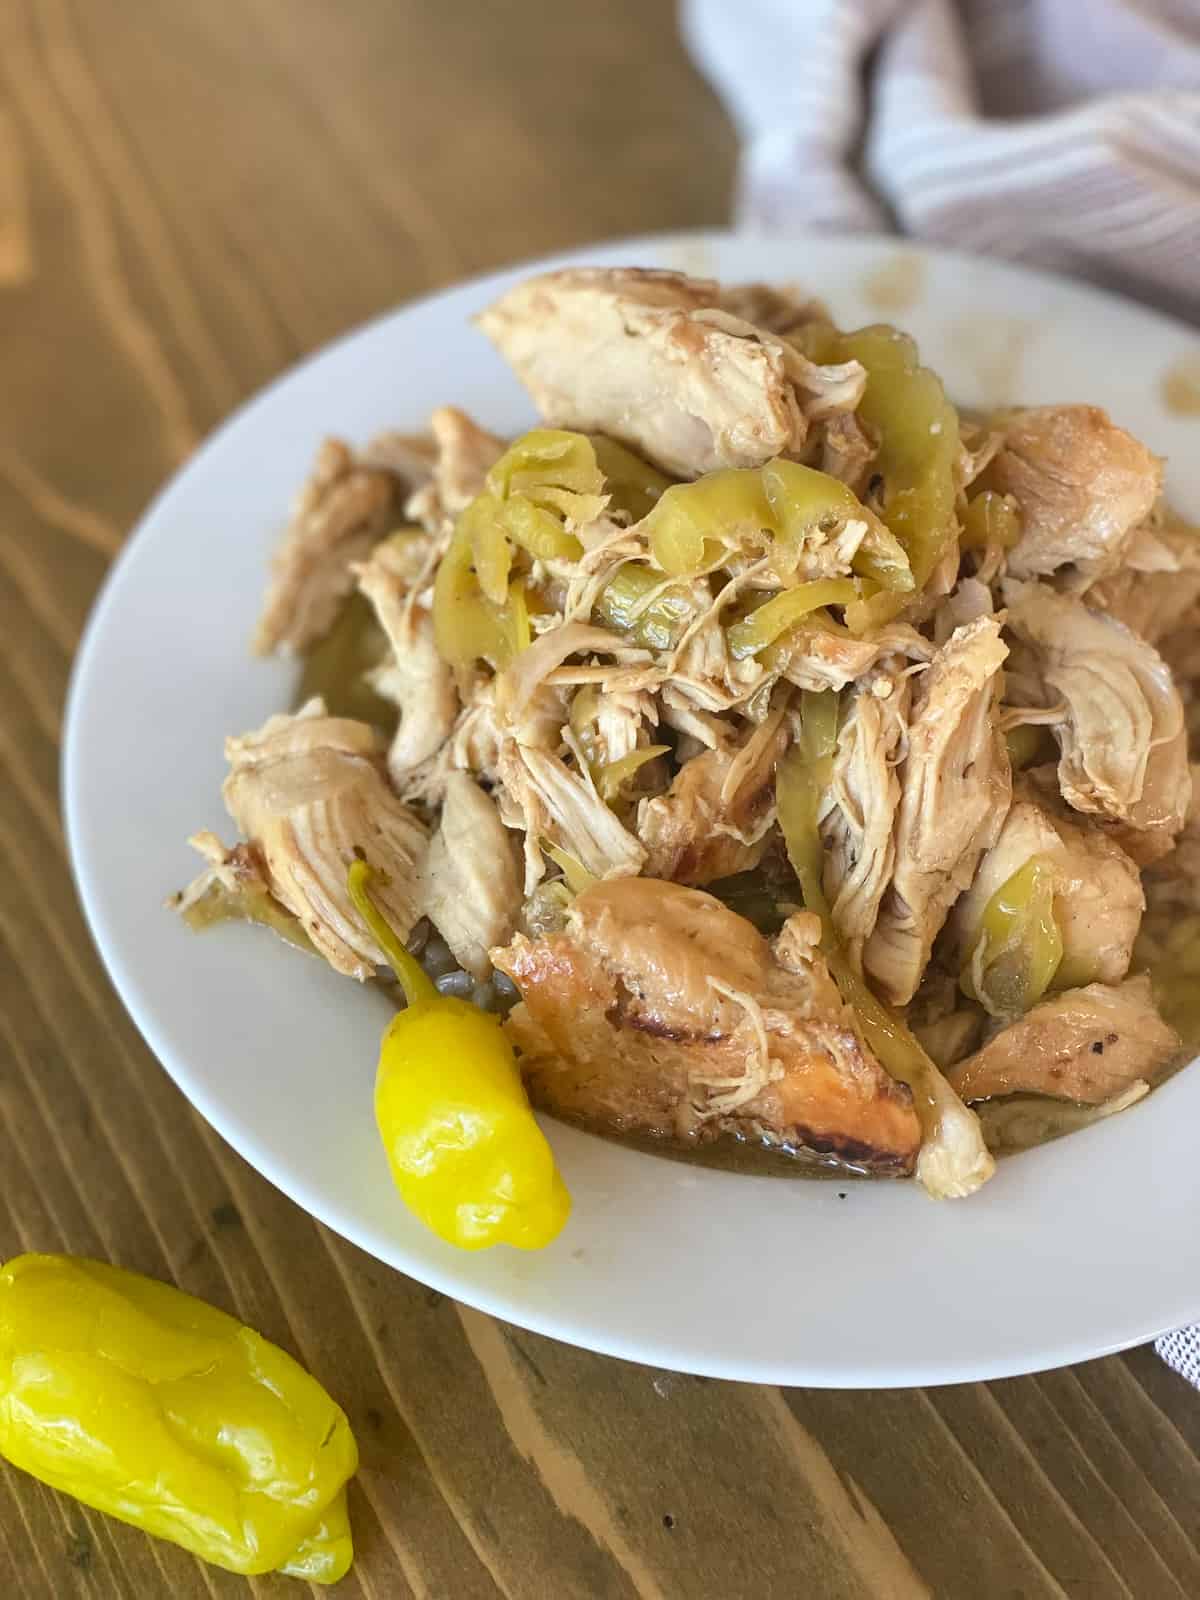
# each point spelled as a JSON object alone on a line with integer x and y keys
{"x": 1060, "y": 132}
{"x": 1064, "y": 133}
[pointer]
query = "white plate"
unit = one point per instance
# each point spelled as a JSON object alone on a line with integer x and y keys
{"x": 1076, "y": 1249}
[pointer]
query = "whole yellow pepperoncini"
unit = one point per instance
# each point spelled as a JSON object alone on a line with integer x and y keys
{"x": 462, "y": 1142}
{"x": 147, "y": 1404}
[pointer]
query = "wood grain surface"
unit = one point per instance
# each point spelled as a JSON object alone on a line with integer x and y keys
{"x": 192, "y": 195}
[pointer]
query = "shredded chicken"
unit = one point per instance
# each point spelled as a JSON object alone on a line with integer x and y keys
{"x": 560, "y": 805}
{"x": 1158, "y": 585}
{"x": 858, "y": 827}
{"x": 465, "y": 454}
{"x": 1084, "y": 1045}
{"x": 647, "y": 358}
{"x": 847, "y": 450}
{"x": 1122, "y": 737}
{"x": 955, "y": 787}
{"x": 808, "y": 684}
{"x": 343, "y": 510}
{"x": 1083, "y": 486}
{"x": 658, "y": 1011}
{"x": 715, "y": 818}
{"x": 309, "y": 792}
{"x": 416, "y": 679}
{"x": 472, "y": 890}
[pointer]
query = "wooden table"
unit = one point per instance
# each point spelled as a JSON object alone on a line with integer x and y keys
{"x": 192, "y": 195}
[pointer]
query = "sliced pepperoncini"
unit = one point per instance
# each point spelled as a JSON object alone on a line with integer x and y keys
{"x": 462, "y": 1142}
{"x": 782, "y": 506}
{"x": 467, "y": 627}
{"x": 1018, "y": 948}
{"x": 769, "y": 621}
{"x": 147, "y": 1404}
{"x": 689, "y": 520}
{"x": 906, "y": 407}
{"x": 625, "y": 606}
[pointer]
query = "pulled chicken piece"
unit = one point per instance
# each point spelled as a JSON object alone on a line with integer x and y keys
{"x": 416, "y": 679}
{"x": 465, "y": 455}
{"x": 715, "y": 818}
{"x": 649, "y": 359}
{"x": 857, "y": 826}
{"x": 233, "y": 888}
{"x": 955, "y": 788}
{"x": 1158, "y": 584}
{"x": 472, "y": 891}
{"x": 309, "y": 793}
{"x": 659, "y": 1011}
{"x": 1121, "y": 734}
{"x": 1082, "y": 484}
{"x": 341, "y": 513}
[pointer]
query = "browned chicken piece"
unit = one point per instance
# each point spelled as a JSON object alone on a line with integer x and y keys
{"x": 466, "y": 454}
{"x": 955, "y": 788}
{"x": 714, "y": 819}
{"x": 472, "y": 890}
{"x": 309, "y": 792}
{"x": 648, "y": 358}
{"x": 857, "y": 827}
{"x": 415, "y": 679}
{"x": 660, "y": 1012}
{"x": 1158, "y": 584}
{"x": 1084, "y": 1045}
{"x": 1098, "y": 899}
{"x": 342, "y": 511}
{"x": 1122, "y": 739}
{"x": 1082, "y": 484}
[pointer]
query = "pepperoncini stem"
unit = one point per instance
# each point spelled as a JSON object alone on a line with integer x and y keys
{"x": 414, "y": 980}
{"x": 764, "y": 625}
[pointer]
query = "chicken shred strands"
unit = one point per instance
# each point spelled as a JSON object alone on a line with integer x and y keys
{"x": 813, "y": 761}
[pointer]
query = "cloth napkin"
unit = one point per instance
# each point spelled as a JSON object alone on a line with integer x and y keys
{"x": 1064, "y": 133}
